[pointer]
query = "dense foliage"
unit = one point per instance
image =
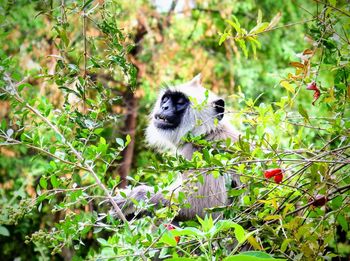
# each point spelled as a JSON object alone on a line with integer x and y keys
{"x": 77, "y": 81}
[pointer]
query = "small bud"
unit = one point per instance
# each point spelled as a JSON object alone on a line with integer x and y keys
{"x": 319, "y": 201}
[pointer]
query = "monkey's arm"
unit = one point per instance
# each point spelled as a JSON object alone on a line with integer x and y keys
{"x": 141, "y": 193}
{"x": 146, "y": 194}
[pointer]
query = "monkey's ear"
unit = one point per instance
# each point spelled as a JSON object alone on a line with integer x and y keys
{"x": 197, "y": 80}
{"x": 219, "y": 106}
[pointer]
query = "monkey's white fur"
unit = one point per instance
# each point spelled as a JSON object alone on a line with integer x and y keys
{"x": 199, "y": 119}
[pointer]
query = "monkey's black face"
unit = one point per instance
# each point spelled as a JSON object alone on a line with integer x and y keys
{"x": 172, "y": 108}
{"x": 219, "y": 106}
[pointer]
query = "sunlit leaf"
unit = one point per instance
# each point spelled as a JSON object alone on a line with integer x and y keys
{"x": 272, "y": 217}
{"x": 297, "y": 64}
{"x": 236, "y": 26}
{"x": 254, "y": 243}
{"x": 259, "y": 28}
{"x": 168, "y": 239}
{"x": 243, "y": 46}
{"x": 274, "y": 21}
{"x": 252, "y": 256}
{"x": 259, "y": 20}
{"x": 4, "y": 231}
{"x": 223, "y": 38}
{"x": 287, "y": 86}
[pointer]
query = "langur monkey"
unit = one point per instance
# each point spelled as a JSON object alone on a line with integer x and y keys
{"x": 180, "y": 110}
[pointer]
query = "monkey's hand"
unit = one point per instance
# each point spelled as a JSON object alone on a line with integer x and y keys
{"x": 128, "y": 199}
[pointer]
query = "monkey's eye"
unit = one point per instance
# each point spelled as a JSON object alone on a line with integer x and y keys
{"x": 181, "y": 101}
{"x": 165, "y": 99}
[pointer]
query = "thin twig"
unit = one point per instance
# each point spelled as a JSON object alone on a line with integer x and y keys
{"x": 85, "y": 54}
{"x": 333, "y": 193}
{"x": 16, "y": 142}
{"x": 333, "y": 7}
{"x": 272, "y": 29}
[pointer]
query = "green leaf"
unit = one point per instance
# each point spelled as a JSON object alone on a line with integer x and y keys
{"x": 102, "y": 241}
{"x": 303, "y": 112}
{"x": 64, "y": 37}
{"x": 243, "y": 47}
{"x": 207, "y": 223}
{"x": 181, "y": 259}
{"x": 272, "y": 217}
{"x": 223, "y": 38}
{"x": 168, "y": 238}
{"x": 206, "y": 155}
{"x": 285, "y": 244}
{"x": 259, "y": 20}
{"x": 120, "y": 142}
{"x": 236, "y": 192}
{"x": 253, "y": 48}
{"x": 43, "y": 182}
{"x": 259, "y": 28}
{"x": 223, "y": 225}
{"x": 337, "y": 202}
{"x": 128, "y": 139}
{"x": 40, "y": 198}
{"x": 22, "y": 86}
{"x": 54, "y": 181}
{"x": 343, "y": 222}
{"x": 236, "y": 26}
{"x": 4, "y": 231}
{"x": 181, "y": 197}
{"x": 257, "y": 254}
{"x": 333, "y": 2}
{"x": 275, "y": 20}
{"x": 102, "y": 140}
{"x": 246, "y": 200}
{"x": 215, "y": 174}
{"x": 188, "y": 231}
{"x": 98, "y": 131}
{"x": 3, "y": 124}
{"x": 253, "y": 39}
{"x": 247, "y": 257}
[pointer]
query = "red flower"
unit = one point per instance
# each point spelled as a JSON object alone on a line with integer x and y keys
{"x": 169, "y": 226}
{"x": 312, "y": 86}
{"x": 317, "y": 93}
{"x": 278, "y": 178}
{"x": 272, "y": 172}
{"x": 276, "y": 174}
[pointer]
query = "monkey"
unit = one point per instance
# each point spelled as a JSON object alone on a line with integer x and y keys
{"x": 178, "y": 111}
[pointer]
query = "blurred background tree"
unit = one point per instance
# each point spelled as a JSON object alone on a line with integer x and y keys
{"x": 93, "y": 68}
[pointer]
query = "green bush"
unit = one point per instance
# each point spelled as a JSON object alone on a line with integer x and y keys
{"x": 66, "y": 72}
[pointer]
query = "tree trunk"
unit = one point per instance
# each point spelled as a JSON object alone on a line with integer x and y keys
{"x": 129, "y": 128}
{"x": 131, "y": 100}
